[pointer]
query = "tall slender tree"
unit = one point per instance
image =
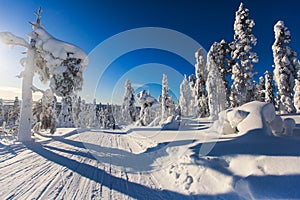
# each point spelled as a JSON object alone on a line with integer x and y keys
{"x": 286, "y": 65}
{"x": 242, "y": 89}
{"x": 269, "y": 87}
{"x": 128, "y": 106}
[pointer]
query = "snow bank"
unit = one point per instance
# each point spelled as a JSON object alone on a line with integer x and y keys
{"x": 250, "y": 116}
{"x": 172, "y": 123}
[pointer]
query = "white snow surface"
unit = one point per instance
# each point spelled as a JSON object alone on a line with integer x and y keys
{"x": 149, "y": 163}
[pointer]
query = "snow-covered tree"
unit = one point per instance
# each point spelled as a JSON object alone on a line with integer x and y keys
{"x": 215, "y": 84}
{"x": 82, "y": 115}
{"x": 76, "y": 108}
{"x": 166, "y": 101}
{"x": 201, "y": 76}
{"x": 92, "y": 114}
{"x": 269, "y": 87}
{"x": 150, "y": 108}
{"x": 1, "y": 112}
{"x": 185, "y": 98}
{"x": 52, "y": 59}
{"x": 65, "y": 117}
{"x": 45, "y": 111}
{"x": 297, "y": 93}
{"x": 128, "y": 106}
{"x": 242, "y": 71}
{"x": 260, "y": 90}
{"x": 286, "y": 64}
{"x": 14, "y": 114}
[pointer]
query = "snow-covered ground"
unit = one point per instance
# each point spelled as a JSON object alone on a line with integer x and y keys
{"x": 149, "y": 163}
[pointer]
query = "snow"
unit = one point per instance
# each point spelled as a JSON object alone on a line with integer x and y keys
{"x": 150, "y": 163}
{"x": 12, "y": 40}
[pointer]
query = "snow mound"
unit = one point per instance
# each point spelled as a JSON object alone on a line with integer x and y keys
{"x": 289, "y": 125}
{"x": 172, "y": 123}
{"x": 250, "y": 116}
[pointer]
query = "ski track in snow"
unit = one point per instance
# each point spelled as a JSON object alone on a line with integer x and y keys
{"x": 39, "y": 170}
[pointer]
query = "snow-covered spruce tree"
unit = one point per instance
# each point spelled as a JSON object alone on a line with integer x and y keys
{"x": 1, "y": 112}
{"x": 65, "y": 117}
{"x": 164, "y": 100}
{"x": 297, "y": 93}
{"x": 201, "y": 76}
{"x": 242, "y": 71}
{"x": 14, "y": 114}
{"x": 185, "y": 98}
{"x": 76, "y": 108}
{"x": 286, "y": 64}
{"x": 92, "y": 115}
{"x": 52, "y": 59}
{"x": 47, "y": 111}
{"x": 215, "y": 84}
{"x": 149, "y": 108}
{"x": 269, "y": 87}
{"x": 128, "y": 106}
{"x": 260, "y": 90}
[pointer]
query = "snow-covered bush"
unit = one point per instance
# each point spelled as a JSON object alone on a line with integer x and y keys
{"x": 289, "y": 125}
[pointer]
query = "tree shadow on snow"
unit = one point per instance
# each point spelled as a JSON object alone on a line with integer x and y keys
{"x": 132, "y": 189}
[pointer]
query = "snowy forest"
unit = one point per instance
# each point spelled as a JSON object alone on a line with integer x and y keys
{"x": 232, "y": 134}
{"x": 224, "y": 78}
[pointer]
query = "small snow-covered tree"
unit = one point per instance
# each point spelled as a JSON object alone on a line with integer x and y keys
{"x": 76, "y": 108}
{"x": 260, "y": 90}
{"x": 65, "y": 117}
{"x": 242, "y": 71}
{"x": 286, "y": 64}
{"x": 149, "y": 108}
{"x": 215, "y": 84}
{"x": 128, "y": 106}
{"x": 92, "y": 114}
{"x": 297, "y": 93}
{"x": 165, "y": 100}
{"x": 52, "y": 59}
{"x": 47, "y": 115}
{"x": 14, "y": 114}
{"x": 1, "y": 112}
{"x": 201, "y": 76}
{"x": 269, "y": 87}
{"x": 185, "y": 98}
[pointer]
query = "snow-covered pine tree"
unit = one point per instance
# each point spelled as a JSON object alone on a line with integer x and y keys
{"x": 65, "y": 117}
{"x": 149, "y": 108}
{"x": 48, "y": 116}
{"x": 76, "y": 108}
{"x": 260, "y": 90}
{"x": 297, "y": 93}
{"x": 54, "y": 60}
{"x": 92, "y": 114}
{"x": 1, "y": 112}
{"x": 286, "y": 64}
{"x": 164, "y": 98}
{"x": 242, "y": 71}
{"x": 215, "y": 84}
{"x": 269, "y": 87}
{"x": 201, "y": 76}
{"x": 185, "y": 98}
{"x": 128, "y": 106}
{"x": 14, "y": 114}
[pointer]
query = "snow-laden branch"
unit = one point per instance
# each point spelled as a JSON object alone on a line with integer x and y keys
{"x": 10, "y": 39}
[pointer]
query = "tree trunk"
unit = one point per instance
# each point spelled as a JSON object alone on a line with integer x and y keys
{"x": 26, "y": 107}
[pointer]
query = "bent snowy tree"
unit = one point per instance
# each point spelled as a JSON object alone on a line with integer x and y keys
{"x": 53, "y": 60}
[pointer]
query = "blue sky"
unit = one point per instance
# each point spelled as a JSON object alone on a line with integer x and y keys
{"x": 88, "y": 23}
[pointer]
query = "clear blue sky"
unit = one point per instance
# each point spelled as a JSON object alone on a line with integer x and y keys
{"x": 88, "y": 23}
